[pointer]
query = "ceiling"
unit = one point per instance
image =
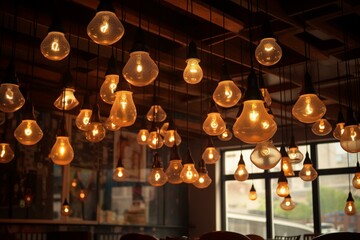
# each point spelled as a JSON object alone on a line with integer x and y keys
{"x": 169, "y": 25}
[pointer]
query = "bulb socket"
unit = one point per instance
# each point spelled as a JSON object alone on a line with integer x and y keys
{"x": 307, "y": 159}
{"x": 202, "y": 166}
{"x": 86, "y": 103}
{"x": 65, "y": 203}
{"x": 188, "y": 159}
{"x": 288, "y": 196}
{"x": 252, "y": 189}
{"x": 56, "y": 25}
{"x": 61, "y": 131}
{"x": 282, "y": 177}
{"x": 105, "y": 5}
{"x": 225, "y": 72}
{"x": 10, "y": 75}
{"x": 67, "y": 79}
{"x": 307, "y": 87}
{"x": 156, "y": 161}
{"x": 357, "y": 168}
{"x": 241, "y": 160}
{"x": 174, "y": 153}
{"x": 120, "y": 162}
{"x": 266, "y": 30}
{"x": 210, "y": 143}
{"x": 340, "y": 118}
{"x": 112, "y": 67}
{"x": 253, "y": 92}
{"x": 28, "y": 110}
{"x": 192, "y": 50}
{"x": 283, "y": 151}
{"x": 95, "y": 117}
{"x": 292, "y": 142}
{"x": 139, "y": 42}
{"x": 350, "y": 198}
{"x": 350, "y": 118}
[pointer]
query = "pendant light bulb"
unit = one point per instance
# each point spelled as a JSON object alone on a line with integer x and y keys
{"x": 321, "y": 127}
{"x": 356, "y": 178}
{"x": 214, "y": 125}
{"x": 282, "y": 189}
{"x": 82, "y": 120}
{"x": 265, "y": 155}
{"x": 226, "y": 94}
{"x": 11, "y": 98}
{"x": 108, "y": 87}
{"x": 172, "y": 137}
{"x": 105, "y": 28}
{"x": 28, "y": 132}
{"x": 308, "y": 172}
{"x": 268, "y": 52}
{"x": 241, "y": 174}
{"x": 350, "y": 139}
{"x": 66, "y": 100}
{"x": 204, "y": 179}
{"x": 109, "y": 125}
{"x": 155, "y": 141}
{"x": 350, "y": 208}
{"x": 252, "y": 193}
{"x": 340, "y": 126}
{"x": 119, "y": 174}
{"x": 193, "y": 73}
{"x": 266, "y": 95}
{"x": 156, "y": 114}
{"x": 157, "y": 177}
{"x": 226, "y": 135}
{"x": 65, "y": 208}
{"x": 97, "y": 131}
{"x": 189, "y": 174}
{"x": 62, "y": 152}
{"x": 294, "y": 153}
{"x": 123, "y": 111}
{"x": 175, "y": 167}
{"x": 6, "y": 153}
{"x": 287, "y": 204}
{"x": 142, "y": 136}
{"x": 285, "y": 163}
{"x": 82, "y": 195}
{"x": 254, "y": 124}
{"x": 210, "y": 154}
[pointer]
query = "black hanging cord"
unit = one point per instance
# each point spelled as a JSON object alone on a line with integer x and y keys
{"x": 281, "y": 107}
{"x": 250, "y": 35}
{"x": 305, "y": 37}
{"x": 14, "y": 34}
{"x": 291, "y": 99}
{"x": 338, "y": 84}
{"x": 97, "y": 72}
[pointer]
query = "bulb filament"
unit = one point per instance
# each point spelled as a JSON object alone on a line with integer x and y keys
{"x": 9, "y": 94}
{"x": 157, "y": 176}
{"x": 55, "y": 45}
{"x": 105, "y": 25}
{"x": 28, "y": 131}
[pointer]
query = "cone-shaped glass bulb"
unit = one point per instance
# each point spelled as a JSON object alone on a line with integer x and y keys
{"x": 28, "y": 132}
{"x": 82, "y": 120}
{"x": 156, "y": 114}
{"x": 226, "y": 94}
{"x": 155, "y": 141}
{"x": 69, "y": 101}
{"x": 265, "y": 155}
{"x": 295, "y": 155}
{"x": 123, "y": 111}
{"x": 109, "y": 125}
{"x": 252, "y": 193}
{"x": 140, "y": 70}
{"x": 55, "y": 47}
{"x": 172, "y": 136}
{"x": 11, "y": 98}
{"x": 96, "y": 132}
{"x": 107, "y": 89}
{"x": 321, "y": 127}
{"x": 214, "y": 124}
{"x": 287, "y": 204}
{"x": 268, "y": 52}
{"x": 119, "y": 174}
{"x": 105, "y": 28}
{"x": 308, "y": 172}
{"x": 350, "y": 208}
{"x": 226, "y": 135}
{"x": 65, "y": 208}
{"x": 339, "y": 130}
{"x": 254, "y": 124}
{"x": 308, "y": 108}
{"x": 193, "y": 73}
{"x": 173, "y": 171}
{"x": 6, "y": 153}
{"x": 142, "y": 136}
{"x": 350, "y": 139}
{"x": 62, "y": 153}
{"x": 211, "y": 155}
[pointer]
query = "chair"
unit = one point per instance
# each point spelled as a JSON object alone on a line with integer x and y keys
{"x": 338, "y": 236}
{"x": 254, "y": 237}
{"x": 310, "y": 236}
{"x": 137, "y": 236}
{"x": 297, "y": 237}
{"x": 223, "y": 235}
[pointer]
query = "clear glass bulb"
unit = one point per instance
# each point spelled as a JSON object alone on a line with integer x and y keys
{"x": 28, "y": 132}
{"x": 142, "y": 136}
{"x": 295, "y": 155}
{"x": 226, "y": 135}
{"x": 193, "y": 73}
{"x": 241, "y": 174}
{"x": 355, "y": 180}
{"x": 282, "y": 189}
{"x": 265, "y": 155}
{"x": 350, "y": 208}
{"x": 109, "y": 125}
{"x": 214, "y": 124}
{"x": 211, "y": 155}
{"x": 339, "y": 130}
{"x": 55, "y": 47}
{"x": 108, "y": 88}
{"x": 226, "y": 94}
{"x": 164, "y": 128}
{"x": 266, "y": 95}
{"x": 308, "y": 173}
{"x": 69, "y": 101}
{"x": 286, "y": 166}
{"x": 189, "y": 174}
{"x": 155, "y": 141}
{"x": 82, "y": 195}
{"x": 350, "y": 139}
{"x": 156, "y": 114}
{"x": 204, "y": 180}
{"x": 173, "y": 171}
{"x": 74, "y": 182}
{"x": 82, "y": 120}
{"x": 308, "y": 108}
{"x": 140, "y": 70}
{"x": 6, "y": 153}
{"x": 96, "y": 132}
{"x": 252, "y": 193}
{"x": 105, "y": 28}
{"x": 62, "y": 153}
{"x": 254, "y": 124}
{"x": 321, "y": 127}
{"x": 65, "y": 209}
{"x": 157, "y": 177}
{"x": 11, "y": 98}
{"x": 119, "y": 174}
{"x": 287, "y": 204}
{"x": 268, "y": 52}
{"x": 172, "y": 136}
{"x": 123, "y": 111}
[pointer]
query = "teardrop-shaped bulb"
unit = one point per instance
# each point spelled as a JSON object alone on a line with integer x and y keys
{"x": 11, "y": 98}
{"x": 226, "y": 94}
{"x": 287, "y": 204}
{"x": 189, "y": 174}
{"x": 65, "y": 208}
{"x": 204, "y": 180}
{"x": 155, "y": 141}
{"x": 308, "y": 173}
{"x": 252, "y": 193}
{"x": 157, "y": 177}
{"x": 82, "y": 120}
{"x": 109, "y": 125}
{"x": 96, "y": 132}
{"x": 286, "y": 166}
{"x": 119, "y": 174}
{"x": 241, "y": 174}
{"x": 142, "y": 136}
{"x": 321, "y": 127}
{"x": 266, "y": 95}
{"x": 6, "y": 153}
{"x": 140, "y": 70}
{"x": 226, "y": 135}
{"x": 268, "y": 52}
{"x": 356, "y": 180}
{"x": 55, "y": 47}
{"x": 108, "y": 88}
{"x": 214, "y": 124}
{"x": 105, "y": 28}
{"x": 339, "y": 130}
{"x": 62, "y": 152}
{"x": 265, "y": 155}
{"x": 254, "y": 125}
{"x": 211, "y": 155}
{"x": 156, "y": 114}
{"x": 28, "y": 132}
{"x": 282, "y": 189}
{"x": 193, "y": 73}
{"x": 308, "y": 108}
{"x": 350, "y": 208}
{"x": 171, "y": 137}
{"x": 350, "y": 139}
{"x": 173, "y": 171}
{"x": 68, "y": 102}
{"x": 123, "y": 111}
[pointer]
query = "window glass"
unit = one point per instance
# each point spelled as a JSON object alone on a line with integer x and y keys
{"x": 231, "y": 159}
{"x": 242, "y": 214}
{"x": 331, "y": 155}
{"x": 296, "y": 167}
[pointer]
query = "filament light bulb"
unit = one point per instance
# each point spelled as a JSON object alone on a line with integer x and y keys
{"x": 252, "y": 193}
{"x": 193, "y": 73}
{"x": 350, "y": 208}
{"x": 308, "y": 108}
{"x": 339, "y": 130}
{"x": 172, "y": 137}
{"x": 204, "y": 179}
{"x": 356, "y": 178}
{"x": 66, "y": 100}
{"x": 28, "y": 132}
{"x": 350, "y": 139}
{"x": 96, "y": 132}
{"x": 282, "y": 189}
{"x": 62, "y": 153}
{"x": 65, "y": 208}
{"x": 308, "y": 172}
{"x": 82, "y": 120}
{"x": 108, "y": 88}
{"x": 11, "y": 98}
{"x": 241, "y": 174}
{"x": 226, "y": 135}
{"x": 211, "y": 155}
{"x": 156, "y": 114}
{"x": 155, "y": 141}
{"x": 109, "y": 125}
{"x": 265, "y": 155}
{"x": 119, "y": 174}
{"x": 55, "y": 47}
{"x": 173, "y": 171}
{"x": 6, "y": 153}
{"x": 142, "y": 136}
{"x": 321, "y": 127}
{"x": 123, "y": 112}
{"x": 157, "y": 177}
{"x": 226, "y": 94}
{"x": 287, "y": 204}
{"x": 214, "y": 124}
{"x": 268, "y": 52}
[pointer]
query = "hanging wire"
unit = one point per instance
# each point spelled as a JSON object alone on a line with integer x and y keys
{"x": 281, "y": 107}
{"x": 286, "y": 122}
{"x": 97, "y": 72}
{"x": 338, "y": 84}
{"x": 306, "y": 138}
{"x": 318, "y": 76}
{"x": 348, "y": 162}
{"x": 77, "y": 56}
{"x": 14, "y": 34}
{"x": 291, "y": 100}
{"x": 250, "y": 35}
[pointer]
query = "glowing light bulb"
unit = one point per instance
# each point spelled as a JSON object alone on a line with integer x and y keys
{"x": 66, "y": 100}
{"x": 142, "y": 136}
{"x": 157, "y": 177}
{"x": 82, "y": 195}
{"x": 356, "y": 178}
{"x": 350, "y": 208}
{"x": 123, "y": 111}
{"x": 155, "y": 141}
{"x": 62, "y": 153}
{"x": 107, "y": 89}
{"x": 12, "y": 99}
{"x": 204, "y": 179}
{"x": 266, "y": 95}
{"x": 252, "y": 193}
{"x": 55, "y": 47}
{"x": 6, "y": 153}
{"x": 339, "y": 130}
{"x": 65, "y": 208}
{"x": 214, "y": 124}
{"x": 193, "y": 73}
{"x": 175, "y": 167}
{"x": 350, "y": 139}
{"x": 265, "y": 155}
{"x": 156, "y": 114}
{"x": 321, "y": 127}
{"x": 241, "y": 174}
{"x": 226, "y": 135}
{"x": 96, "y": 132}
{"x": 226, "y": 94}
{"x": 109, "y": 125}
{"x": 282, "y": 189}
{"x": 82, "y": 120}
{"x": 28, "y": 132}
{"x": 308, "y": 172}
{"x": 74, "y": 182}
{"x": 287, "y": 204}
{"x": 268, "y": 52}
{"x": 105, "y": 28}
{"x": 285, "y": 162}
{"x": 171, "y": 137}
{"x": 210, "y": 154}
{"x": 119, "y": 174}
{"x": 189, "y": 174}
{"x": 308, "y": 108}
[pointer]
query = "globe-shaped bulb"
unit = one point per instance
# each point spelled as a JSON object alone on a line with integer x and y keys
{"x": 6, "y": 153}
{"x": 119, "y": 174}
{"x": 55, "y": 47}
{"x": 321, "y": 127}
{"x": 226, "y": 94}
{"x": 173, "y": 171}
{"x": 241, "y": 174}
{"x": 204, "y": 180}
{"x": 28, "y": 132}
{"x": 105, "y": 28}
{"x": 142, "y": 136}
{"x": 282, "y": 189}
{"x": 96, "y": 132}
{"x": 109, "y": 125}
{"x": 193, "y": 73}
{"x": 123, "y": 111}
{"x": 211, "y": 155}
{"x": 140, "y": 70}
{"x": 339, "y": 130}
{"x": 287, "y": 204}
{"x": 156, "y": 114}
{"x": 189, "y": 174}
{"x": 268, "y": 52}
{"x": 11, "y": 98}
{"x": 108, "y": 88}
{"x": 265, "y": 155}
{"x": 157, "y": 177}
{"x": 62, "y": 153}
{"x": 308, "y": 108}
{"x": 350, "y": 139}
{"x": 308, "y": 173}
{"x": 155, "y": 141}
{"x": 68, "y": 102}
{"x": 171, "y": 137}
{"x": 214, "y": 124}
{"x": 82, "y": 120}
{"x": 226, "y": 135}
